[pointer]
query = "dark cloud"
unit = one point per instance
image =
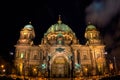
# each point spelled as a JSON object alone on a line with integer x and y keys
{"x": 100, "y": 12}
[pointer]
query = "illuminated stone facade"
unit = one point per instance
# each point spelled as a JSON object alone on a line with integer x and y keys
{"x": 60, "y": 54}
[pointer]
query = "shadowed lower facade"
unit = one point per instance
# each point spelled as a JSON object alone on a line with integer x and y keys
{"x": 60, "y": 53}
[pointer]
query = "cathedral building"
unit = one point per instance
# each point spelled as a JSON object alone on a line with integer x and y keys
{"x": 60, "y": 53}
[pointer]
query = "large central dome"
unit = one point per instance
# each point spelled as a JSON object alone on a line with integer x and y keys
{"x": 59, "y": 31}
{"x": 59, "y": 26}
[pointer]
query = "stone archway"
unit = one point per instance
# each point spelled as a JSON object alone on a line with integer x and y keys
{"x": 60, "y": 67}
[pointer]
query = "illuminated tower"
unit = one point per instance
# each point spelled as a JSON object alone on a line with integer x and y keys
{"x": 97, "y": 49}
{"x": 25, "y": 52}
{"x": 27, "y": 35}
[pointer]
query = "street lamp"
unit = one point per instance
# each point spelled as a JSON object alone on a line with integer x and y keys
{"x": 86, "y": 71}
{"x": 2, "y": 66}
{"x": 34, "y": 71}
{"x": 2, "y": 69}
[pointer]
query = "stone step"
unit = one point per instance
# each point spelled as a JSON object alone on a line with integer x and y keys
{"x": 60, "y": 79}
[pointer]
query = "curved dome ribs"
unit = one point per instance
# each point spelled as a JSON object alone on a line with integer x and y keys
{"x": 60, "y": 30}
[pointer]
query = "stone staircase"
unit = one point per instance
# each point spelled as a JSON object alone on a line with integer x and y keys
{"x": 60, "y": 79}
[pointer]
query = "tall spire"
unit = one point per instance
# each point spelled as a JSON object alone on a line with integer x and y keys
{"x": 59, "y": 20}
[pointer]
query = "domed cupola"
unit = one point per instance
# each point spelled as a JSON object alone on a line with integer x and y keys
{"x": 92, "y": 34}
{"x": 28, "y": 26}
{"x": 59, "y": 31}
{"x": 59, "y": 26}
{"x": 27, "y": 34}
{"x": 90, "y": 27}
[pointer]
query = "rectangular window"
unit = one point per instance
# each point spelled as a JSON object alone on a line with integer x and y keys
{"x": 35, "y": 56}
{"x": 17, "y": 53}
{"x": 22, "y": 55}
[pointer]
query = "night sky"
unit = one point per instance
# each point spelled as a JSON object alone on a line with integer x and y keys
{"x": 104, "y": 14}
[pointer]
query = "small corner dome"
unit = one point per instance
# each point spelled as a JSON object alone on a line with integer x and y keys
{"x": 90, "y": 27}
{"x": 28, "y": 26}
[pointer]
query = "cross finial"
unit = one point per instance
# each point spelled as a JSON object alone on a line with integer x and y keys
{"x": 59, "y": 19}
{"x": 30, "y": 22}
{"x": 89, "y": 23}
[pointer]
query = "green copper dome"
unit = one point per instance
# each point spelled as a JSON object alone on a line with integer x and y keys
{"x": 90, "y": 27}
{"x": 28, "y": 26}
{"x": 59, "y": 27}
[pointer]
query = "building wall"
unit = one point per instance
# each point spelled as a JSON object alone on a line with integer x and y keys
{"x": 61, "y": 49}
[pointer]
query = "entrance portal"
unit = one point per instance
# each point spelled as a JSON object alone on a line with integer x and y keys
{"x": 60, "y": 67}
